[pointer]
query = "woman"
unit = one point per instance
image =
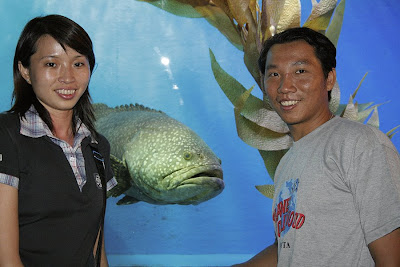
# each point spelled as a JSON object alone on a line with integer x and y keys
{"x": 51, "y": 196}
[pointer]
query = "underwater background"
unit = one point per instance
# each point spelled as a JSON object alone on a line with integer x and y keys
{"x": 132, "y": 41}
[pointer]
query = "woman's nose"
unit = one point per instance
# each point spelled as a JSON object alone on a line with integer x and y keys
{"x": 66, "y": 75}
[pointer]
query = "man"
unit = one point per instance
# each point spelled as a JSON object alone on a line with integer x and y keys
{"x": 337, "y": 190}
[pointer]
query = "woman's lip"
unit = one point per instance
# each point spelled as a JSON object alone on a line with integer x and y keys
{"x": 66, "y": 93}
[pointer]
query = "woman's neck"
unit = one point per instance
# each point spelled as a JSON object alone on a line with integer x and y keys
{"x": 62, "y": 126}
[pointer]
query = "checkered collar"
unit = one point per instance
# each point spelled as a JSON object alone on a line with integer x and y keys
{"x": 33, "y": 126}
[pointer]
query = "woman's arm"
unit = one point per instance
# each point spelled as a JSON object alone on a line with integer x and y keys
{"x": 104, "y": 261}
{"x": 9, "y": 231}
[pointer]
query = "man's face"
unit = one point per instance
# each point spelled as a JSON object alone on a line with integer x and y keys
{"x": 295, "y": 85}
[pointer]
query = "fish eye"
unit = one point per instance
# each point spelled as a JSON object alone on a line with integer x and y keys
{"x": 187, "y": 155}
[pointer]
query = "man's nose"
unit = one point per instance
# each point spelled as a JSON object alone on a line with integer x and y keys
{"x": 286, "y": 84}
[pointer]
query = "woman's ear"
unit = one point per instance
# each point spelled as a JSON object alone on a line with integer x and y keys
{"x": 24, "y": 72}
{"x": 330, "y": 81}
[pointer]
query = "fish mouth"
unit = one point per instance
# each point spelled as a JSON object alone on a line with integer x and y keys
{"x": 211, "y": 174}
{"x": 196, "y": 175}
{"x": 194, "y": 185}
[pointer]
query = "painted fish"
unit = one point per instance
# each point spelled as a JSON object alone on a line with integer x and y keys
{"x": 157, "y": 159}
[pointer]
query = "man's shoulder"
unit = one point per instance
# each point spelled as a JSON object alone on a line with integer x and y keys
{"x": 358, "y": 132}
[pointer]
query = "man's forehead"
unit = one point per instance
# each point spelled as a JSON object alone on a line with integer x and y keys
{"x": 296, "y": 52}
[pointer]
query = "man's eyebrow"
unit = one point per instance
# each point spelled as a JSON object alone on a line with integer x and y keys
{"x": 270, "y": 66}
{"x": 301, "y": 62}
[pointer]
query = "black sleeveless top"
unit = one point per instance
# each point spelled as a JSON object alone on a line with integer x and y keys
{"x": 58, "y": 223}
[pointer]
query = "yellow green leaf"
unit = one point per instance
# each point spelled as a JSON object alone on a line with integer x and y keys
{"x": 392, "y": 132}
{"x": 321, "y": 14}
{"x": 251, "y": 53}
{"x": 335, "y": 26}
{"x": 238, "y": 9}
{"x": 374, "y": 119}
{"x": 335, "y": 98}
{"x": 351, "y": 111}
{"x": 254, "y": 109}
{"x": 271, "y": 160}
{"x": 362, "y": 115}
{"x": 220, "y": 20}
{"x": 255, "y": 135}
{"x": 267, "y": 190}
{"x": 359, "y": 85}
{"x": 290, "y": 15}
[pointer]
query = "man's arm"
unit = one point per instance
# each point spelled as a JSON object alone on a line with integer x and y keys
{"x": 266, "y": 258}
{"x": 386, "y": 250}
{"x": 9, "y": 231}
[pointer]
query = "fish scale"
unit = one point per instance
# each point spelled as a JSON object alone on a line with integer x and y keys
{"x": 156, "y": 158}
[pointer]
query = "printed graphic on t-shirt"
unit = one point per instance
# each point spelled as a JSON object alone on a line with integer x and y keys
{"x": 284, "y": 215}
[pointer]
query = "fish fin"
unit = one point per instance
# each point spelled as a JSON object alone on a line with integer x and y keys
{"x": 122, "y": 176}
{"x": 126, "y": 200}
{"x": 102, "y": 110}
{"x": 135, "y": 107}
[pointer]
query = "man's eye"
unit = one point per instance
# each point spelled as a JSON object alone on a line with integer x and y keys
{"x": 300, "y": 71}
{"x": 273, "y": 74}
{"x": 79, "y": 64}
{"x": 51, "y": 64}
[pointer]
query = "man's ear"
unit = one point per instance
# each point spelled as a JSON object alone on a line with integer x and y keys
{"x": 330, "y": 81}
{"x": 24, "y": 72}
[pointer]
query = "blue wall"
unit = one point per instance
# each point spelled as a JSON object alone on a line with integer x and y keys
{"x": 130, "y": 38}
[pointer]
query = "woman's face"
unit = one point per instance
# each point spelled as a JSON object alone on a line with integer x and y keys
{"x": 58, "y": 77}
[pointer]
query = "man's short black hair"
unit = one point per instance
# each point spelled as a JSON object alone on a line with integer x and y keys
{"x": 324, "y": 49}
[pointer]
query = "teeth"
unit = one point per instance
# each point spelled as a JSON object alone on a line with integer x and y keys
{"x": 65, "y": 92}
{"x": 289, "y": 103}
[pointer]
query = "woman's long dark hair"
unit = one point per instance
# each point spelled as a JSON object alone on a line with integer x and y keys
{"x": 67, "y": 33}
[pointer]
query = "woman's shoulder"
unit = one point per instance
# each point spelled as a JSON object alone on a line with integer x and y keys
{"x": 102, "y": 142}
{"x": 9, "y": 120}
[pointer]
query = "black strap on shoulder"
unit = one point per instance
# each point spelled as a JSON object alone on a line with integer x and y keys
{"x": 99, "y": 160}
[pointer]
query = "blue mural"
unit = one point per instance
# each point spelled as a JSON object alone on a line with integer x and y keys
{"x": 147, "y": 56}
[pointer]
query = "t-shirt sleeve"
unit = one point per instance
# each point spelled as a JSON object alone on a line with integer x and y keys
{"x": 9, "y": 168}
{"x": 376, "y": 186}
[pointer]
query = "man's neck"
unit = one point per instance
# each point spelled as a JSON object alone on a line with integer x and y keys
{"x": 300, "y": 130}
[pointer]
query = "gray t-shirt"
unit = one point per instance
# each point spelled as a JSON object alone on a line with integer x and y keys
{"x": 336, "y": 190}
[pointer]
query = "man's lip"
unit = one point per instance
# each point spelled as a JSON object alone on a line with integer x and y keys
{"x": 288, "y": 102}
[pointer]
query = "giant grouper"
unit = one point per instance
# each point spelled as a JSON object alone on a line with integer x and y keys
{"x": 157, "y": 159}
